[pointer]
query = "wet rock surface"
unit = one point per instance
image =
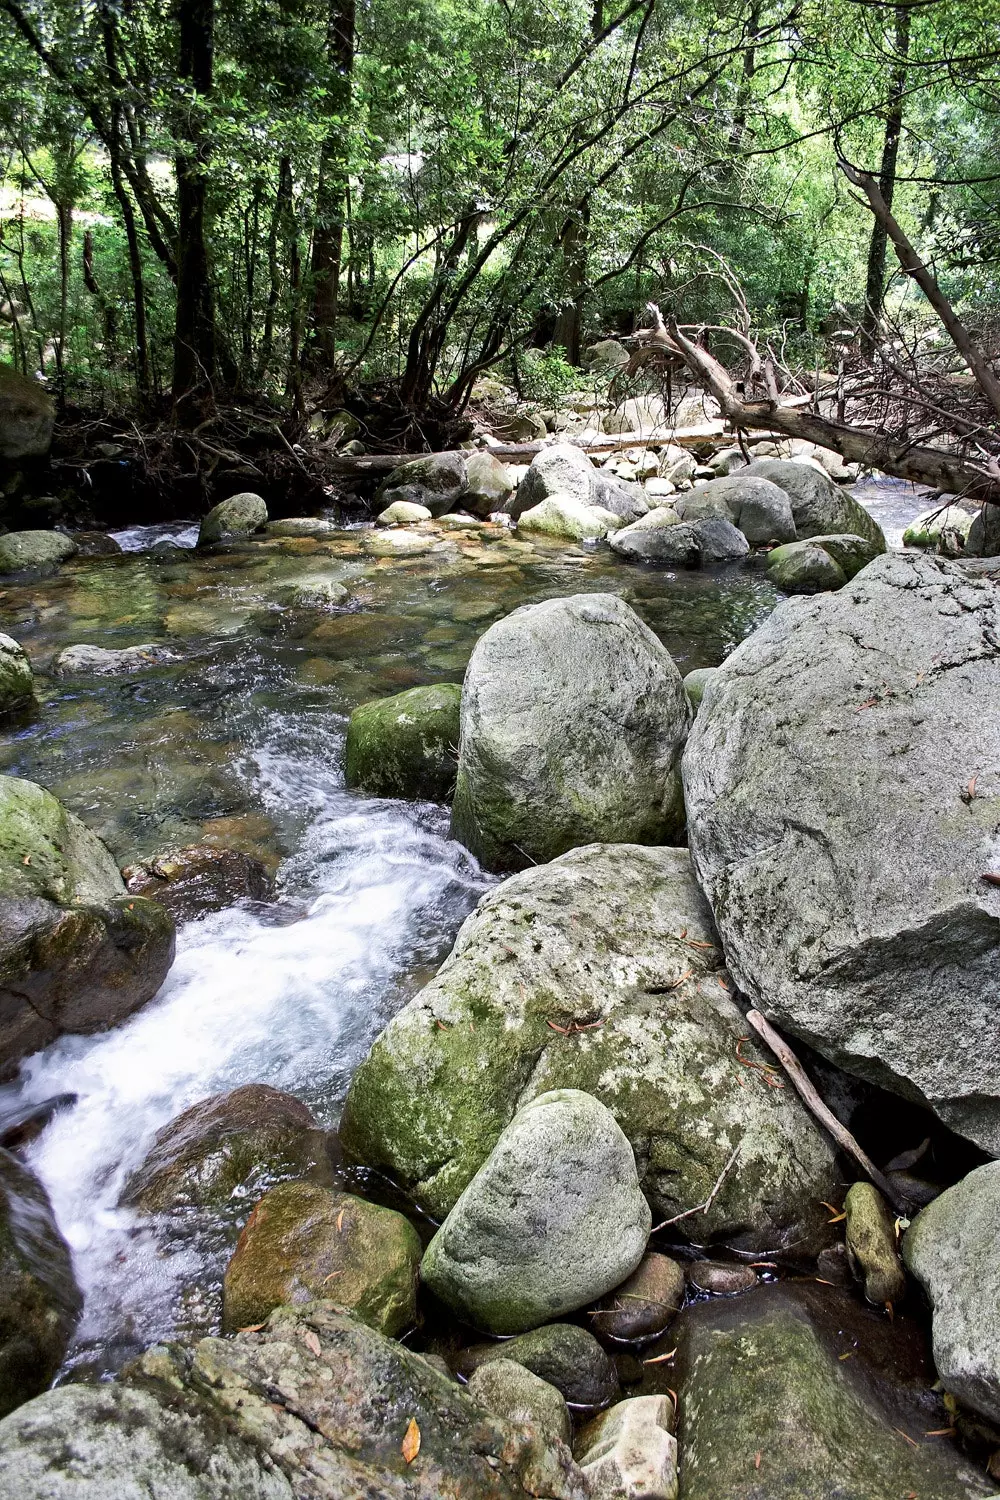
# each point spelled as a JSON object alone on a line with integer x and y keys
{"x": 17, "y": 682}
{"x": 511, "y": 1391}
{"x": 95, "y": 661}
{"x": 644, "y": 1305}
{"x": 34, "y": 551}
{"x": 406, "y": 745}
{"x": 238, "y": 517}
{"x": 191, "y": 882}
{"x": 563, "y": 1354}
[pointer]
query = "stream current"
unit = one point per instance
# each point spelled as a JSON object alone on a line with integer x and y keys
{"x": 239, "y": 742}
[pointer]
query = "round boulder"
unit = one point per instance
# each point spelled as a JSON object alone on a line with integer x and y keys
{"x": 34, "y": 551}
{"x": 406, "y": 745}
{"x": 489, "y": 484}
{"x": 17, "y": 683}
{"x": 573, "y": 720}
{"x": 239, "y": 516}
{"x": 758, "y": 508}
{"x": 553, "y": 1219}
{"x": 304, "y": 1242}
{"x": 402, "y": 513}
{"x": 644, "y": 1305}
{"x": 564, "y": 516}
{"x": 436, "y": 483}
{"x": 819, "y": 506}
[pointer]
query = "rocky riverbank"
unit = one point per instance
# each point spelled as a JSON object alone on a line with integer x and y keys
{"x": 576, "y": 1235}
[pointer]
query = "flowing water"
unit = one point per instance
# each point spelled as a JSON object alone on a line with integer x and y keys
{"x": 239, "y": 742}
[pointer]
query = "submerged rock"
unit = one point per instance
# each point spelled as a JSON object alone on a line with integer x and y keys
{"x": 436, "y": 483}
{"x": 230, "y": 1145}
{"x": 191, "y": 882}
{"x": 769, "y": 1410}
{"x": 34, "y": 551}
{"x": 630, "y": 1451}
{"x": 406, "y": 745}
{"x": 77, "y": 952}
{"x": 95, "y": 661}
{"x": 870, "y": 1236}
{"x": 39, "y": 1298}
{"x": 27, "y": 416}
{"x": 563, "y": 1354}
{"x": 17, "y": 682}
{"x": 645, "y": 1303}
{"x": 951, "y": 1248}
{"x": 573, "y": 720}
{"x": 843, "y": 798}
{"x": 304, "y": 1241}
{"x": 313, "y": 593}
{"x": 552, "y": 1220}
{"x": 599, "y": 971}
{"x": 511, "y": 1391}
{"x": 819, "y": 507}
{"x": 239, "y": 516}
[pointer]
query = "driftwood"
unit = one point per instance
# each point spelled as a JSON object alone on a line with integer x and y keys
{"x": 811, "y": 1099}
{"x": 896, "y": 456}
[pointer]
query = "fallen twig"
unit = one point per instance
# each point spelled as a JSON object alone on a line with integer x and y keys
{"x": 816, "y": 1107}
{"x": 702, "y": 1208}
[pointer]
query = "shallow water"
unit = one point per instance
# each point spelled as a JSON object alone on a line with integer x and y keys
{"x": 239, "y": 742}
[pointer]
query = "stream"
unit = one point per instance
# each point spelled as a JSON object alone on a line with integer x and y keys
{"x": 239, "y": 742}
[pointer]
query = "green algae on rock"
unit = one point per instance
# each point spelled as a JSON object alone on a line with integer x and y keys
{"x": 406, "y": 745}
{"x": 17, "y": 682}
{"x": 304, "y": 1241}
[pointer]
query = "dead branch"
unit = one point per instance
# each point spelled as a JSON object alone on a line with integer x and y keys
{"x": 702, "y": 1208}
{"x": 825, "y": 1116}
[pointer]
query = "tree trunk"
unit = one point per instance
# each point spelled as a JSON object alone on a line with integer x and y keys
{"x": 331, "y": 189}
{"x": 875, "y": 281}
{"x": 194, "y": 328}
{"x": 569, "y": 322}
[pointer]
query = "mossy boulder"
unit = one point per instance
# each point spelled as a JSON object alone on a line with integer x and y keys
{"x": 402, "y": 513}
{"x": 229, "y": 1146}
{"x": 304, "y": 1241}
{"x": 510, "y": 1391}
{"x": 819, "y": 507}
{"x": 926, "y": 530}
{"x": 564, "y": 1355}
{"x": 17, "y": 682}
{"x": 769, "y": 1411}
{"x": 406, "y": 745}
{"x": 239, "y": 516}
{"x": 695, "y": 684}
{"x": 34, "y": 551}
{"x": 563, "y": 515}
{"x": 822, "y": 562}
{"x": 870, "y": 1236}
{"x": 573, "y": 721}
{"x": 552, "y": 1220}
{"x": 39, "y": 1299}
{"x": 77, "y": 953}
{"x": 490, "y": 484}
{"x": 599, "y": 971}
{"x": 437, "y": 483}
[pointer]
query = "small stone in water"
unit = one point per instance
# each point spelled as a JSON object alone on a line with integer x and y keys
{"x": 720, "y": 1278}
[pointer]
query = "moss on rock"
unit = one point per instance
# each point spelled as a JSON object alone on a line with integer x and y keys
{"x": 406, "y": 745}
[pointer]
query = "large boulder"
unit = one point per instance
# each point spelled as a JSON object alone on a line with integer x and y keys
{"x": 34, "y": 551}
{"x": 406, "y": 745}
{"x": 819, "y": 506}
{"x": 304, "y": 1241}
{"x": 758, "y": 508}
{"x": 27, "y": 416}
{"x": 489, "y": 484}
{"x": 239, "y": 516}
{"x": 77, "y": 952}
{"x": 573, "y": 720}
{"x": 599, "y": 971}
{"x": 843, "y": 802}
{"x": 121, "y": 1442}
{"x": 565, "y": 516}
{"x": 661, "y": 536}
{"x": 39, "y": 1298}
{"x": 770, "y": 1408}
{"x": 227, "y": 1147}
{"x": 926, "y": 530}
{"x": 437, "y": 483}
{"x": 564, "y": 469}
{"x": 951, "y": 1248}
{"x": 983, "y": 539}
{"x": 552, "y": 1220}
{"x": 17, "y": 682}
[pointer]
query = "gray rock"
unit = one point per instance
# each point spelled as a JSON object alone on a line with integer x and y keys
{"x": 552, "y": 1220}
{"x": 661, "y": 537}
{"x": 563, "y": 516}
{"x": 95, "y": 661}
{"x": 39, "y": 1298}
{"x": 34, "y": 551}
{"x": 402, "y": 513}
{"x": 313, "y": 593}
{"x": 822, "y": 562}
{"x": 677, "y": 464}
{"x": 951, "y": 1248}
{"x": 870, "y": 1236}
{"x": 406, "y": 745}
{"x": 758, "y": 508}
{"x": 295, "y": 526}
{"x": 562, "y": 1354}
{"x": 599, "y": 971}
{"x": 818, "y": 505}
{"x": 511, "y": 1391}
{"x": 696, "y": 682}
{"x": 437, "y": 483}
{"x": 842, "y": 802}
{"x": 17, "y": 682}
{"x": 27, "y": 416}
{"x": 573, "y": 720}
{"x": 719, "y": 541}
{"x": 77, "y": 953}
{"x": 769, "y": 1410}
{"x": 239, "y": 516}
{"x": 489, "y": 484}
{"x": 118, "y": 1442}
{"x": 606, "y": 354}
{"x": 630, "y": 1452}
{"x": 644, "y": 1305}
{"x": 564, "y": 469}
{"x": 983, "y": 539}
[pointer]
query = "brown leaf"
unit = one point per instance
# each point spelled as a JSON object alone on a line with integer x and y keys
{"x": 659, "y": 1359}
{"x": 757, "y": 1459}
{"x": 340, "y": 1221}
{"x": 941, "y": 1432}
{"x": 252, "y": 1328}
{"x": 411, "y": 1441}
{"x": 312, "y": 1343}
{"x": 906, "y": 1437}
